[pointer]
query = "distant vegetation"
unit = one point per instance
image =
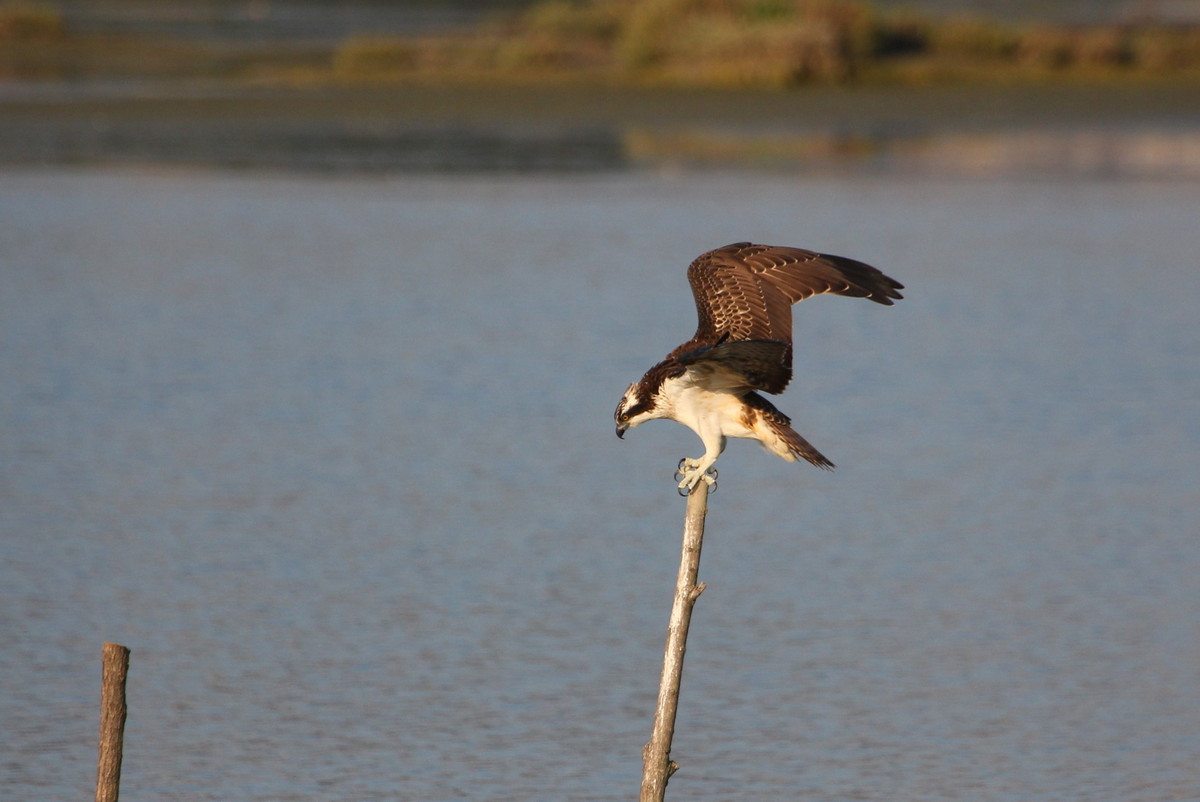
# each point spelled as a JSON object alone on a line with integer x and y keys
{"x": 37, "y": 43}
{"x": 768, "y": 43}
{"x": 690, "y": 43}
{"x": 29, "y": 21}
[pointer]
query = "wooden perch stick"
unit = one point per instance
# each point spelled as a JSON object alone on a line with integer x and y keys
{"x": 112, "y": 721}
{"x": 657, "y": 766}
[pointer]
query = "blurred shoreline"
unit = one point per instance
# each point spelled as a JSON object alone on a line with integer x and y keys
{"x": 1140, "y": 131}
{"x": 254, "y": 85}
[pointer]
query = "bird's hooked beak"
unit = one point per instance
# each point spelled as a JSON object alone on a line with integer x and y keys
{"x": 621, "y": 429}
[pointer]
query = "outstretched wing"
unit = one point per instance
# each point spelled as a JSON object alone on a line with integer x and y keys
{"x": 745, "y": 291}
{"x": 742, "y": 365}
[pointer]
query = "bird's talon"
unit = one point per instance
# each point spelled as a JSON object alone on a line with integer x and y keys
{"x": 688, "y": 475}
{"x": 684, "y": 471}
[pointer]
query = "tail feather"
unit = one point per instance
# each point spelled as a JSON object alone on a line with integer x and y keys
{"x": 781, "y": 426}
{"x": 802, "y": 448}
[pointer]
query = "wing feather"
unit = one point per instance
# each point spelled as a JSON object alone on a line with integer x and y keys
{"x": 745, "y": 291}
{"x": 744, "y": 365}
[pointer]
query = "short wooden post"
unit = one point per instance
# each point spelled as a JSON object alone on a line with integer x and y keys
{"x": 112, "y": 722}
{"x": 657, "y": 766}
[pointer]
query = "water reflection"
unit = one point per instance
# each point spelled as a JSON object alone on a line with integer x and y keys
{"x": 375, "y": 148}
{"x": 1081, "y": 153}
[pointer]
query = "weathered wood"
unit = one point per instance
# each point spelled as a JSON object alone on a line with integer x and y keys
{"x": 657, "y": 766}
{"x": 112, "y": 722}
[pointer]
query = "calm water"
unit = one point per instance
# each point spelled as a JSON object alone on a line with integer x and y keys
{"x": 334, "y": 458}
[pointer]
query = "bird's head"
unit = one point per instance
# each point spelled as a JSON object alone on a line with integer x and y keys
{"x": 636, "y": 406}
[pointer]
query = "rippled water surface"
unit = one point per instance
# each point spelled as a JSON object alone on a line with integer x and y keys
{"x": 334, "y": 458}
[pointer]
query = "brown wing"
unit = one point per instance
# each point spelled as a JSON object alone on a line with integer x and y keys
{"x": 745, "y": 291}
{"x": 743, "y": 365}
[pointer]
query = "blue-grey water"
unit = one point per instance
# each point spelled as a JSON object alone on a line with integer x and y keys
{"x": 334, "y": 457}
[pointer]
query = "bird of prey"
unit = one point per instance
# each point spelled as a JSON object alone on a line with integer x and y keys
{"x": 743, "y": 344}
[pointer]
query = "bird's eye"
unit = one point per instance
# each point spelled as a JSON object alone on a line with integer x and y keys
{"x": 625, "y": 416}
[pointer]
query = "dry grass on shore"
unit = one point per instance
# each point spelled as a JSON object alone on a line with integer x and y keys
{"x": 769, "y": 44}
{"x": 763, "y": 44}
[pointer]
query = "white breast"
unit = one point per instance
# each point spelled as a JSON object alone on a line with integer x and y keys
{"x": 705, "y": 411}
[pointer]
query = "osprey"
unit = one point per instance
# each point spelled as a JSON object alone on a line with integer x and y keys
{"x": 743, "y": 343}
